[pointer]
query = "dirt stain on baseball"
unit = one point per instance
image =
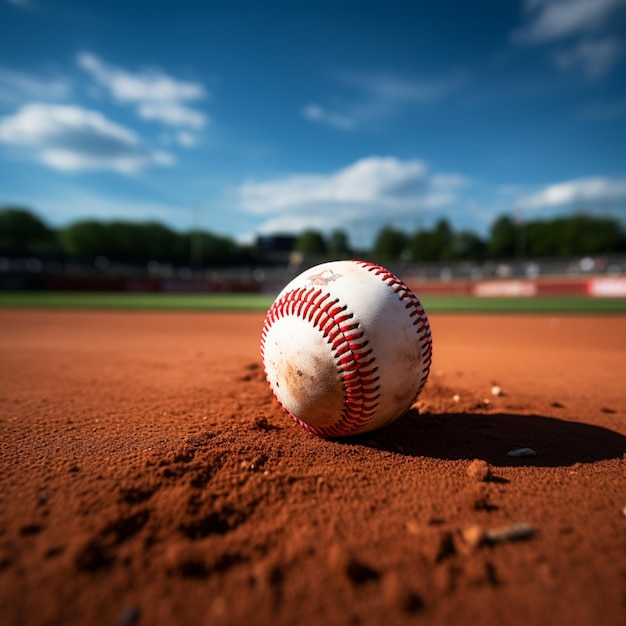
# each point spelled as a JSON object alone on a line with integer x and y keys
{"x": 316, "y": 390}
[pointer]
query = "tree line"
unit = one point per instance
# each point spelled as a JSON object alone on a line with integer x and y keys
{"x": 22, "y": 233}
{"x": 508, "y": 238}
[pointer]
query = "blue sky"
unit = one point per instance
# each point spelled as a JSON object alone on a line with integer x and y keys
{"x": 257, "y": 117}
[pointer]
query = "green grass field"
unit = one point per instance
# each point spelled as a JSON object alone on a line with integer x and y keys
{"x": 259, "y": 302}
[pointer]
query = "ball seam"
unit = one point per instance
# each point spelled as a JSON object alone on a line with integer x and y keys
{"x": 417, "y": 313}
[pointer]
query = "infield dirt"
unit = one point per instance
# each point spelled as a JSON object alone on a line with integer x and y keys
{"x": 149, "y": 477}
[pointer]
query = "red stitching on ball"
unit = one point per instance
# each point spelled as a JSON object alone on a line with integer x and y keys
{"x": 420, "y": 320}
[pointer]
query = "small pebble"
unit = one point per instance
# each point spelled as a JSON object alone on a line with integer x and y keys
{"x": 479, "y": 470}
{"x": 496, "y": 390}
{"x": 624, "y": 511}
{"x": 456, "y": 397}
{"x": 513, "y": 532}
{"x": 473, "y": 536}
{"x": 521, "y": 452}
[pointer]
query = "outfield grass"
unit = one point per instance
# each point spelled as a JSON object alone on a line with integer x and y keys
{"x": 140, "y": 301}
{"x": 259, "y": 302}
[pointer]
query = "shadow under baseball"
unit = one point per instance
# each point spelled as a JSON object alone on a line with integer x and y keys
{"x": 456, "y": 436}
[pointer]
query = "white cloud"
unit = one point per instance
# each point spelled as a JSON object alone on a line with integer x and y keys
{"x": 410, "y": 90}
{"x": 550, "y": 20}
{"x": 574, "y": 192}
{"x": 71, "y": 138}
{"x": 148, "y": 85}
{"x": 172, "y": 114}
{"x": 16, "y": 87}
{"x": 371, "y": 188}
{"x": 581, "y": 30}
{"x": 186, "y": 139}
{"x": 448, "y": 182}
{"x": 155, "y": 95}
{"x": 316, "y": 113}
{"x": 374, "y": 96}
{"x": 595, "y": 57}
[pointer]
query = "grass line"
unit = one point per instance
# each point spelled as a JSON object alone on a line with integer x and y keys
{"x": 137, "y": 301}
{"x": 261, "y": 302}
{"x": 542, "y": 304}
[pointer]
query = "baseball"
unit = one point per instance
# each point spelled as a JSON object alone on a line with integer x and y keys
{"x": 346, "y": 348}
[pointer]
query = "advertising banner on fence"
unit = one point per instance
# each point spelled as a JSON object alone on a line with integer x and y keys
{"x": 505, "y": 289}
{"x": 609, "y": 287}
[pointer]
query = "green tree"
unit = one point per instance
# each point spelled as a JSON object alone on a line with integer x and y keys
{"x": 502, "y": 240}
{"x": 159, "y": 242}
{"x": 127, "y": 241}
{"x": 217, "y": 249}
{"x": 339, "y": 245}
{"x": 574, "y": 235}
{"x": 140, "y": 242}
{"x": 424, "y": 247}
{"x": 542, "y": 239}
{"x": 468, "y": 246}
{"x": 584, "y": 234}
{"x": 444, "y": 237}
{"x": 311, "y": 242}
{"x": 86, "y": 239}
{"x": 390, "y": 244}
{"x": 23, "y": 233}
{"x": 437, "y": 244}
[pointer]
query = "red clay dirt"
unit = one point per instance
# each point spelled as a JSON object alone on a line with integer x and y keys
{"x": 149, "y": 477}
